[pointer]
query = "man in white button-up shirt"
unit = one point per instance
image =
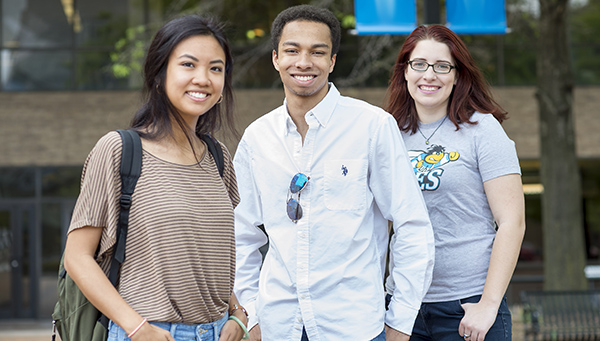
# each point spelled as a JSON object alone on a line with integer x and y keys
{"x": 324, "y": 173}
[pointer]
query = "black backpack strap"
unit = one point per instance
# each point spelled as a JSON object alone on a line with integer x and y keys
{"x": 131, "y": 168}
{"x": 214, "y": 147}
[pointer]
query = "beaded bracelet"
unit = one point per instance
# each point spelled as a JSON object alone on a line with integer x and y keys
{"x": 246, "y": 335}
{"x": 137, "y": 328}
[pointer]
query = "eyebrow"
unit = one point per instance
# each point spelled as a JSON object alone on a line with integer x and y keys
{"x": 314, "y": 46}
{"x": 215, "y": 61}
{"x": 438, "y": 61}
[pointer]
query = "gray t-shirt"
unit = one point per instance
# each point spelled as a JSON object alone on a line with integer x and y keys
{"x": 451, "y": 170}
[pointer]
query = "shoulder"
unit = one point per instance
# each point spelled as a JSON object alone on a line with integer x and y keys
{"x": 370, "y": 118}
{"x": 226, "y": 153}
{"x": 111, "y": 141}
{"x": 486, "y": 119}
{"x": 359, "y": 106}
{"x": 483, "y": 122}
{"x": 271, "y": 118}
{"x": 104, "y": 159}
{"x": 271, "y": 124}
{"x": 108, "y": 147}
{"x": 488, "y": 133}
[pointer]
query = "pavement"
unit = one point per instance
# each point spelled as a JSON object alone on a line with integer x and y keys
{"x": 26, "y": 330}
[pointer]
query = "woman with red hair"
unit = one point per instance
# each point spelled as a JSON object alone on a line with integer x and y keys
{"x": 469, "y": 175}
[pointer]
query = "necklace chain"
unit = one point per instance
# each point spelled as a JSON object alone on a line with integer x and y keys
{"x": 436, "y": 129}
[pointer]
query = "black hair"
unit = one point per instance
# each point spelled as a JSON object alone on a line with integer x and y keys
{"x": 307, "y": 13}
{"x": 155, "y": 118}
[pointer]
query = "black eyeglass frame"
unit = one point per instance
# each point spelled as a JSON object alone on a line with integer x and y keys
{"x": 430, "y": 65}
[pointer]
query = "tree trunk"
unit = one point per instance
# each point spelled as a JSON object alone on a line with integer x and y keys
{"x": 564, "y": 248}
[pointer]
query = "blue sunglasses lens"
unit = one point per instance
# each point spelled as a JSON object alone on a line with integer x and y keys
{"x": 294, "y": 210}
{"x": 298, "y": 182}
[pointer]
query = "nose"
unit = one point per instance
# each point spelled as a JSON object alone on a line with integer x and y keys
{"x": 201, "y": 78}
{"x": 304, "y": 61}
{"x": 429, "y": 73}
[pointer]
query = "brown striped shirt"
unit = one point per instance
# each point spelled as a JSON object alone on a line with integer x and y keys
{"x": 180, "y": 253}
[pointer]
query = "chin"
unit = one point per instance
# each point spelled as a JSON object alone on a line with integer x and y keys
{"x": 307, "y": 92}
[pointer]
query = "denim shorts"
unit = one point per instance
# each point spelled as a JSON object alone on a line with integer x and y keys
{"x": 440, "y": 321}
{"x": 179, "y": 331}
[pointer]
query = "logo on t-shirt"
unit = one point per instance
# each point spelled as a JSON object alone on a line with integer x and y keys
{"x": 427, "y": 165}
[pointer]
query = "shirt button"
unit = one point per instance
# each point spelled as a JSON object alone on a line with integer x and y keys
{"x": 302, "y": 235}
{"x": 299, "y": 319}
{"x": 303, "y": 296}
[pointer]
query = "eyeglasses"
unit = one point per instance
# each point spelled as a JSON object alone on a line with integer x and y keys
{"x": 422, "y": 66}
{"x": 294, "y": 210}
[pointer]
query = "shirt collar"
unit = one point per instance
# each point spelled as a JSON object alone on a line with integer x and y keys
{"x": 322, "y": 111}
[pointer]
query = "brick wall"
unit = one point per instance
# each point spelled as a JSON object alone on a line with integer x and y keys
{"x": 60, "y": 128}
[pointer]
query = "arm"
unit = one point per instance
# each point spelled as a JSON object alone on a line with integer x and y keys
{"x": 249, "y": 238}
{"x": 505, "y": 196}
{"x": 392, "y": 334}
{"x": 399, "y": 198}
{"x": 82, "y": 267}
{"x": 232, "y": 331}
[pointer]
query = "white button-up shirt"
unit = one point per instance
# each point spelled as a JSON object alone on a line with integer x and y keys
{"x": 326, "y": 271}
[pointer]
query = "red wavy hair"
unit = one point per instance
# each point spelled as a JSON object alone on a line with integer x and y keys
{"x": 471, "y": 92}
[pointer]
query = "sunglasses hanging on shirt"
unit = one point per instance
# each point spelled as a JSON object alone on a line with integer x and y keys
{"x": 294, "y": 210}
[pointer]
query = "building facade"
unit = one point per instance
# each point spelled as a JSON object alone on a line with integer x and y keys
{"x": 59, "y": 95}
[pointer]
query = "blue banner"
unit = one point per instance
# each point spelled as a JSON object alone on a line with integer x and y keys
{"x": 476, "y": 16}
{"x": 385, "y": 16}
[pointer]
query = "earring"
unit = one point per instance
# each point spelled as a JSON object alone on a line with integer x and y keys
{"x": 220, "y": 99}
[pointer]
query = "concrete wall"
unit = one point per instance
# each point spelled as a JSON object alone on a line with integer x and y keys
{"x": 60, "y": 128}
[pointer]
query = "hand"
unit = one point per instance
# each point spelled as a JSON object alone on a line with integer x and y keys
{"x": 392, "y": 334}
{"x": 478, "y": 319}
{"x": 150, "y": 332}
{"x": 255, "y": 333}
{"x": 231, "y": 331}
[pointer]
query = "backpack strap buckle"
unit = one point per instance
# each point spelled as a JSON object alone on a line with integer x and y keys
{"x": 125, "y": 201}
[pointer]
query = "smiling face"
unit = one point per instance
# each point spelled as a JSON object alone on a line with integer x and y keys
{"x": 195, "y": 76}
{"x": 430, "y": 91}
{"x": 304, "y": 60}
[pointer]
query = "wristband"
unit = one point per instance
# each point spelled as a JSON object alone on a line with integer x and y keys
{"x": 246, "y": 335}
{"x": 236, "y": 307}
{"x": 137, "y": 328}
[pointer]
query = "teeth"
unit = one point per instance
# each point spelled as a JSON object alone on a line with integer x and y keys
{"x": 304, "y": 78}
{"x": 428, "y": 88}
{"x": 197, "y": 94}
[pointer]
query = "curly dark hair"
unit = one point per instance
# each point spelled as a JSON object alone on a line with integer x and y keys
{"x": 307, "y": 13}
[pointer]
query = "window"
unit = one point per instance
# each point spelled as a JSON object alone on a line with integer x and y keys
{"x": 61, "y": 44}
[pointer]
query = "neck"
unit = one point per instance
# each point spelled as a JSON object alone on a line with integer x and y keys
{"x": 429, "y": 116}
{"x": 178, "y": 135}
{"x": 175, "y": 146}
{"x": 298, "y": 106}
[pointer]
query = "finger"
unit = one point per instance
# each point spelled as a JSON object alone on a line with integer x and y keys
{"x": 461, "y": 329}
{"x": 464, "y": 333}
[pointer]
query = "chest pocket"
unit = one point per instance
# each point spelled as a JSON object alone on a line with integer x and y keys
{"x": 345, "y": 184}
